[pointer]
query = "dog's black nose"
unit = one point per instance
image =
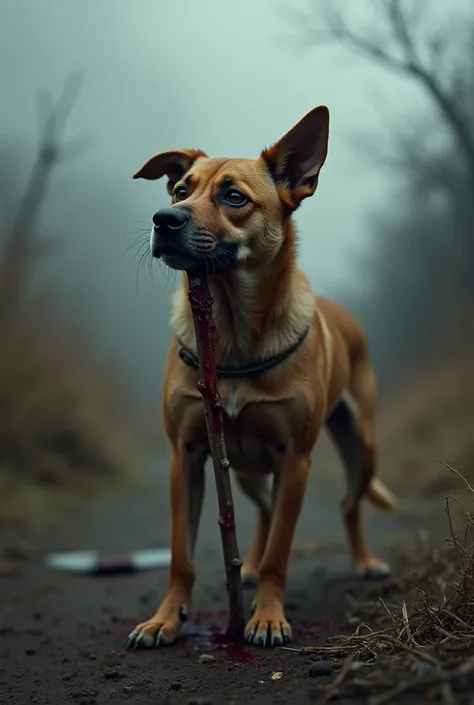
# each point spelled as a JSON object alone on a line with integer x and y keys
{"x": 170, "y": 218}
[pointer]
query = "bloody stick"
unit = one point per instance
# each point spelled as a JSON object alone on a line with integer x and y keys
{"x": 201, "y": 302}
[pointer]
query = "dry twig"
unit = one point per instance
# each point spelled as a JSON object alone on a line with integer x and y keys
{"x": 436, "y": 678}
{"x": 424, "y": 642}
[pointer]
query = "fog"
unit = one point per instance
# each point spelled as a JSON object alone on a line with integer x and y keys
{"x": 388, "y": 233}
{"x": 229, "y": 79}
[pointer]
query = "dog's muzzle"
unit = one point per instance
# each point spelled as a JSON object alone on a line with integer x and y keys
{"x": 170, "y": 233}
{"x": 174, "y": 240}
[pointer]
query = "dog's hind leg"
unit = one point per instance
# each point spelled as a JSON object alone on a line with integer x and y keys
{"x": 351, "y": 427}
{"x": 257, "y": 488}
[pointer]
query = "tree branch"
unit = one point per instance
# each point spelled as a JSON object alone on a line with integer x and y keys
{"x": 408, "y": 63}
{"x": 201, "y": 305}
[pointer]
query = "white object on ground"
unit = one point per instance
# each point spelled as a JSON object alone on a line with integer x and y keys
{"x": 95, "y": 562}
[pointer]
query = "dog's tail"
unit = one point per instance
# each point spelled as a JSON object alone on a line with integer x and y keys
{"x": 380, "y": 496}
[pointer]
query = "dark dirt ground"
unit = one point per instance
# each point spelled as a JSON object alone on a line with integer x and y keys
{"x": 62, "y": 636}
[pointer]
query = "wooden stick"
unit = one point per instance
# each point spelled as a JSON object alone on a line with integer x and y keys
{"x": 201, "y": 302}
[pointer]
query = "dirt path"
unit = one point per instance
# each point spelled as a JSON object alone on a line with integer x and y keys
{"x": 62, "y": 636}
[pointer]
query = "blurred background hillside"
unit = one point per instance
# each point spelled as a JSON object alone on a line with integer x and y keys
{"x": 84, "y": 330}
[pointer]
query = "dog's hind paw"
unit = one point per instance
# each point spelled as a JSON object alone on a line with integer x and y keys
{"x": 374, "y": 569}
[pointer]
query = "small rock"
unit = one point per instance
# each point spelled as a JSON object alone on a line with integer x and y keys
{"x": 320, "y": 669}
{"x": 30, "y": 652}
{"x": 128, "y": 689}
{"x": 175, "y": 686}
{"x": 199, "y": 701}
{"x": 114, "y": 674}
{"x": 353, "y": 621}
{"x": 206, "y": 658}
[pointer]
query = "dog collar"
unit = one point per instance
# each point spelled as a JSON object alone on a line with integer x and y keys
{"x": 252, "y": 370}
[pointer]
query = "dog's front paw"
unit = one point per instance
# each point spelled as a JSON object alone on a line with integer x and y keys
{"x": 161, "y": 630}
{"x": 268, "y": 627}
{"x": 373, "y": 569}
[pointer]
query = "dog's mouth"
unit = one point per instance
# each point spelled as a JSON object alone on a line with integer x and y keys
{"x": 222, "y": 258}
{"x": 175, "y": 258}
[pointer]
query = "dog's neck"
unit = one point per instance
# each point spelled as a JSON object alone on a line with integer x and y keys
{"x": 260, "y": 308}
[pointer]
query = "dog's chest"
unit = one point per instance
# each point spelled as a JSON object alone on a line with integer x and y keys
{"x": 247, "y": 447}
{"x": 232, "y": 401}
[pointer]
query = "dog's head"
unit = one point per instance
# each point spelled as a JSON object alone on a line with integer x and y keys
{"x": 225, "y": 212}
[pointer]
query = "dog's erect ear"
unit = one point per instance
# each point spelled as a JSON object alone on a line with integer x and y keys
{"x": 296, "y": 159}
{"x": 174, "y": 164}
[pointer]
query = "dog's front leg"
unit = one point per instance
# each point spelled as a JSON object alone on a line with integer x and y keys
{"x": 186, "y": 494}
{"x": 268, "y": 626}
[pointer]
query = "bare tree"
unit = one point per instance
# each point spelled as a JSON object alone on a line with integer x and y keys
{"x": 421, "y": 253}
{"x": 404, "y": 38}
{"x": 18, "y": 241}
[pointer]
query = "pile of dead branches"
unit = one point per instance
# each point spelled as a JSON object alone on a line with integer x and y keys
{"x": 415, "y": 634}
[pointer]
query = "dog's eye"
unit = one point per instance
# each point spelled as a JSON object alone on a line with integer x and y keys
{"x": 235, "y": 198}
{"x": 181, "y": 193}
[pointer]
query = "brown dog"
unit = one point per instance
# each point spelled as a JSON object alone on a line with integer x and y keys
{"x": 289, "y": 363}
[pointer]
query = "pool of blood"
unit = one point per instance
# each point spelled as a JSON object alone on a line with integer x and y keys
{"x": 208, "y": 633}
{"x": 212, "y": 637}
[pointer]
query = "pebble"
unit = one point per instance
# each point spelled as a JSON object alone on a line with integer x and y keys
{"x": 353, "y": 622}
{"x": 175, "y": 686}
{"x": 114, "y": 674}
{"x": 319, "y": 669}
{"x": 207, "y": 658}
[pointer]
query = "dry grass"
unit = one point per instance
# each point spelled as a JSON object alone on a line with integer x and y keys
{"x": 66, "y": 427}
{"x": 416, "y": 634}
{"x": 430, "y": 417}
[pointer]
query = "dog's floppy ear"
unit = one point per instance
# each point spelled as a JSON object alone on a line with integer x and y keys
{"x": 296, "y": 159}
{"x": 174, "y": 164}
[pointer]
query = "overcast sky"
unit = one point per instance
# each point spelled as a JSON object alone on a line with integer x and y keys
{"x": 224, "y": 77}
